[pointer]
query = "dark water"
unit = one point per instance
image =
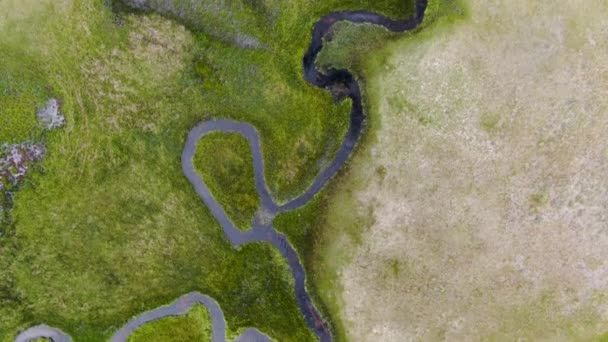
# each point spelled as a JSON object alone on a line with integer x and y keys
{"x": 262, "y": 230}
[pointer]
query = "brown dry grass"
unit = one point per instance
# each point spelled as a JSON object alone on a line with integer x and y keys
{"x": 490, "y": 214}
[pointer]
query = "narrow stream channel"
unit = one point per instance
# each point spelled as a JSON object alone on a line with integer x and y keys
{"x": 262, "y": 230}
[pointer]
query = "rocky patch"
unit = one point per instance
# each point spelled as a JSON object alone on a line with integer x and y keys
{"x": 49, "y": 116}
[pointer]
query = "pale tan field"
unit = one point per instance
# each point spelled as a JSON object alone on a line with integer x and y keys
{"x": 485, "y": 183}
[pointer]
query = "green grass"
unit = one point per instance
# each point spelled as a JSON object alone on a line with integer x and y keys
{"x": 19, "y": 99}
{"x": 299, "y": 124}
{"x": 111, "y": 227}
{"x": 195, "y": 326}
{"x": 298, "y": 224}
{"x": 224, "y": 162}
{"x": 18, "y": 118}
{"x": 295, "y": 121}
{"x": 108, "y": 226}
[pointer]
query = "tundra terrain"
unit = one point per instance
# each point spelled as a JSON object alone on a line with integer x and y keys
{"x": 478, "y": 208}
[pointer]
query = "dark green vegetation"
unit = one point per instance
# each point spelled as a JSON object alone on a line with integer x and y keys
{"x": 109, "y": 227}
{"x": 225, "y": 164}
{"x": 195, "y": 326}
{"x": 350, "y": 45}
{"x": 19, "y": 97}
{"x": 19, "y": 123}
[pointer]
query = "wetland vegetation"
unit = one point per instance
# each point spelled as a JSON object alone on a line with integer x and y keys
{"x": 107, "y": 226}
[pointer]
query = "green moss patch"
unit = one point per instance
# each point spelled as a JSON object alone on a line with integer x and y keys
{"x": 225, "y": 164}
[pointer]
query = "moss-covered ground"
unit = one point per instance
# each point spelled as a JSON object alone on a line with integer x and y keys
{"x": 225, "y": 164}
{"x": 107, "y": 226}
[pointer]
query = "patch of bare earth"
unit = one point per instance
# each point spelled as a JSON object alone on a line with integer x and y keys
{"x": 490, "y": 212}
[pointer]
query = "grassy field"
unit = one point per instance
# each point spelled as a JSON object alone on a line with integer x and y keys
{"x": 108, "y": 227}
{"x": 195, "y": 326}
{"x": 300, "y": 126}
{"x": 20, "y": 98}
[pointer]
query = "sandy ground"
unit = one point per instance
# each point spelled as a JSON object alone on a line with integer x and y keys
{"x": 488, "y": 182}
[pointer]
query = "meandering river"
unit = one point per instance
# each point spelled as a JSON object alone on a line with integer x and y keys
{"x": 262, "y": 229}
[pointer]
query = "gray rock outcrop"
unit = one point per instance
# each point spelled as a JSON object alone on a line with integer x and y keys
{"x": 15, "y": 161}
{"x": 50, "y": 116}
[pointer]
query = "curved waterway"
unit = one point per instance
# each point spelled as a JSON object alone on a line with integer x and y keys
{"x": 262, "y": 229}
{"x": 43, "y": 331}
{"x": 179, "y": 308}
